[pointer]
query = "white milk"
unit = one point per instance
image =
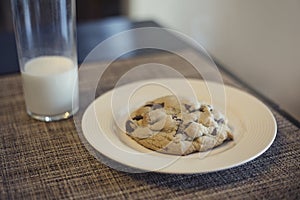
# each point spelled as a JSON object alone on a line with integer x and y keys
{"x": 50, "y": 85}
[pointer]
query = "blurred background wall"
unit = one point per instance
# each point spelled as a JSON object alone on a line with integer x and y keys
{"x": 86, "y": 10}
{"x": 257, "y": 40}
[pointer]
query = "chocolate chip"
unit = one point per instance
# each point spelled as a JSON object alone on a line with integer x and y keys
{"x": 214, "y": 132}
{"x": 220, "y": 121}
{"x": 129, "y": 126}
{"x": 148, "y": 105}
{"x": 180, "y": 129}
{"x": 137, "y": 118}
{"x": 158, "y": 106}
{"x": 201, "y": 109}
{"x": 176, "y": 119}
{"x": 187, "y": 106}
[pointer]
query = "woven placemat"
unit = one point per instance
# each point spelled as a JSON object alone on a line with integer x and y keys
{"x": 48, "y": 160}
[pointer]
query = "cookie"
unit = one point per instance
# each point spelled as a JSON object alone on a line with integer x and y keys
{"x": 178, "y": 126}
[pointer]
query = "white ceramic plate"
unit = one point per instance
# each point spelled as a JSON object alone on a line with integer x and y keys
{"x": 253, "y": 125}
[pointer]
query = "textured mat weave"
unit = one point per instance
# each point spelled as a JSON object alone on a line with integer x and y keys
{"x": 48, "y": 160}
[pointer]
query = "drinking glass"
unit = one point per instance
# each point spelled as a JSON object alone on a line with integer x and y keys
{"x": 45, "y": 32}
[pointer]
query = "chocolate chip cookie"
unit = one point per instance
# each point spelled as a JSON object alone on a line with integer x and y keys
{"x": 178, "y": 126}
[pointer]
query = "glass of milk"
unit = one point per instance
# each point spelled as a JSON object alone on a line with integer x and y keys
{"x": 45, "y": 32}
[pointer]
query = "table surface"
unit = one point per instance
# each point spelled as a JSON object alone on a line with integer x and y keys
{"x": 42, "y": 160}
